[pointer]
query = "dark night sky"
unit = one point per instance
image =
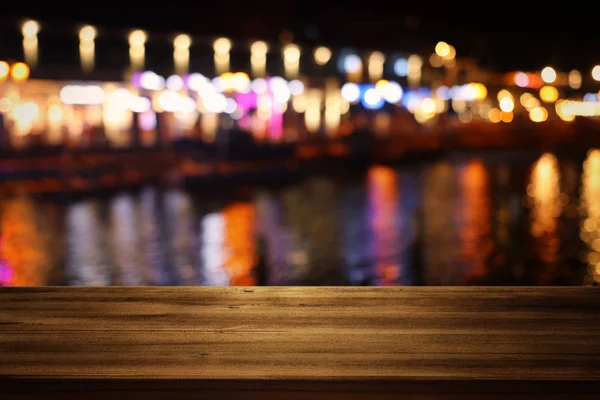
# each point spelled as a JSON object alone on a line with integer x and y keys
{"x": 516, "y": 36}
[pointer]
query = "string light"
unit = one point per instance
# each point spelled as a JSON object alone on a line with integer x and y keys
{"x": 291, "y": 60}
{"x": 30, "y": 30}
{"x": 181, "y": 53}
{"x": 221, "y": 47}
{"x": 258, "y": 58}
{"x": 137, "y": 49}
{"x": 87, "y": 35}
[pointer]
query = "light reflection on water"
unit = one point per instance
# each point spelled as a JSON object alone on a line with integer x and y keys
{"x": 590, "y": 210}
{"x": 453, "y": 222}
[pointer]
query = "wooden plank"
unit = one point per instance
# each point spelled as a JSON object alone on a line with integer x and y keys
{"x": 405, "y": 340}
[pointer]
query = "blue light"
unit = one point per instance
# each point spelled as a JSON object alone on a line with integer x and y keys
{"x": 371, "y": 99}
{"x": 424, "y": 92}
{"x": 401, "y": 67}
{"x": 348, "y": 61}
{"x": 443, "y": 93}
{"x": 411, "y": 100}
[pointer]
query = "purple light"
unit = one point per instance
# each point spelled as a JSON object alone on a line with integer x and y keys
{"x": 246, "y": 101}
{"x": 136, "y": 79}
{"x": 276, "y": 126}
{"x": 5, "y": 273}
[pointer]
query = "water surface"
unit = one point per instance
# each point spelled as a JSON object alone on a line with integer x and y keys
{"x": 465, "y": 220}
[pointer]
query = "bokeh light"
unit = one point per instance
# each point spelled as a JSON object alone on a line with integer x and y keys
{"x": 548, "y": 75}
{"x": 19, "y": 72}
{"x": 538, "y": 114}
{"x": 549, "y": 94}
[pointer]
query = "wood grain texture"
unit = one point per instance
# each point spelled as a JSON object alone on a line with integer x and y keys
{"x": 408, "y": 340}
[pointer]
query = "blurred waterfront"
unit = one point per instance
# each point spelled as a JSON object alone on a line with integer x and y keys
{"x": 471, "y": 219}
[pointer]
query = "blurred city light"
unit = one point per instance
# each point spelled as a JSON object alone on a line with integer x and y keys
{"x": 538, "y": 114}
{"x": 30, "y": 30}
{"x": 221, "y": 47}
{"x": 137, "y": 49}
{"x": 548, "y": 75}
{"x": 596, "y": 73}
{"x": 4, "y": 71}
{"x": 401, "y": 67}
{"x": 19, "y": 72}
{"x": 548, "y": 94}
{"x": 521, "y": 79}
{"x": 507, "y": 104}
{"x": 181, "y": 53}
{"x": 350, "y": 92}
{"x": 291, "y": 60}
{"x": 442, "y": 49}
{"x": 258, "y": 58}
{"x": 322, "y": 55}
{"x": 87, "y": 35}
{"x": 575, "y": 79}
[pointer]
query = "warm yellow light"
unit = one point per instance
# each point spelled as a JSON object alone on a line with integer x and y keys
{"x": 258, "y": 58}
{"x": 377, "y": 57}
{"x": 380, "y": 84}
{"x": 375, "y": 66}
{"x": 495, "y": 115}
{"x": 507, "y": 104}
{"x": 504, "y": 94}
{"x": 581, "y": 108}
{"x": 561, "y": 113}
{"x": 222, "y": 45}
{"x": 465, "y": 117}
{"x": 55, "y": 113}
{"x": 529, "y": 101}
{"x": 451, "y": 53}
{"x": 137, "y": 38}
{"x": 479, "y": 91}
{"x": 291, "y": 53}
{"x": 596, "y": 73}
{"x": 449, "y": 63}
{"x": 19, "y": 72}
{"x": 30, "y": 28}
{"x": 415, "y": 64}
{"x": 548, "y": 75}
{"x": 567, "y": 117}
{"x": 322, "y": 55}
{"x": 291, "y": 60}
{"x": 436, "y": 61}
{"x": 524, "y": 99}
{"x": 4, "y": 70}
{"x": 5, "y": 104}
{"x": 575, "y": 79}
{"x": 538, "y": 114}
{"x": 428, "y": 106}
{"x": 259, "y": 48}
{"x": 240, "y": 81}
{"x": 507, "y": 116}
{"x": 182, "y": 42}
{"x": 87, "y": 33}
{"x": 442, "y": 49}
{"x": 548, "y": 94}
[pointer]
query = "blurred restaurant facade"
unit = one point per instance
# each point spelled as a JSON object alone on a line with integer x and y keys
{"x": 84, "y": 87}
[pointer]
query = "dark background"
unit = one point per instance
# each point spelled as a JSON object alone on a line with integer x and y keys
{"x": 503, "y": 36}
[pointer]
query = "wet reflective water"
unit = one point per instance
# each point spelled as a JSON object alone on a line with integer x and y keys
{"x": 469, "y": 220}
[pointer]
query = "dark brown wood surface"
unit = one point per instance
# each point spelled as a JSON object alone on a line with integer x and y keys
{"x": 438, "y": 341}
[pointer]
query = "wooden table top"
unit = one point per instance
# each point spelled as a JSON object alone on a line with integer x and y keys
{"x": 412, "y": 335}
